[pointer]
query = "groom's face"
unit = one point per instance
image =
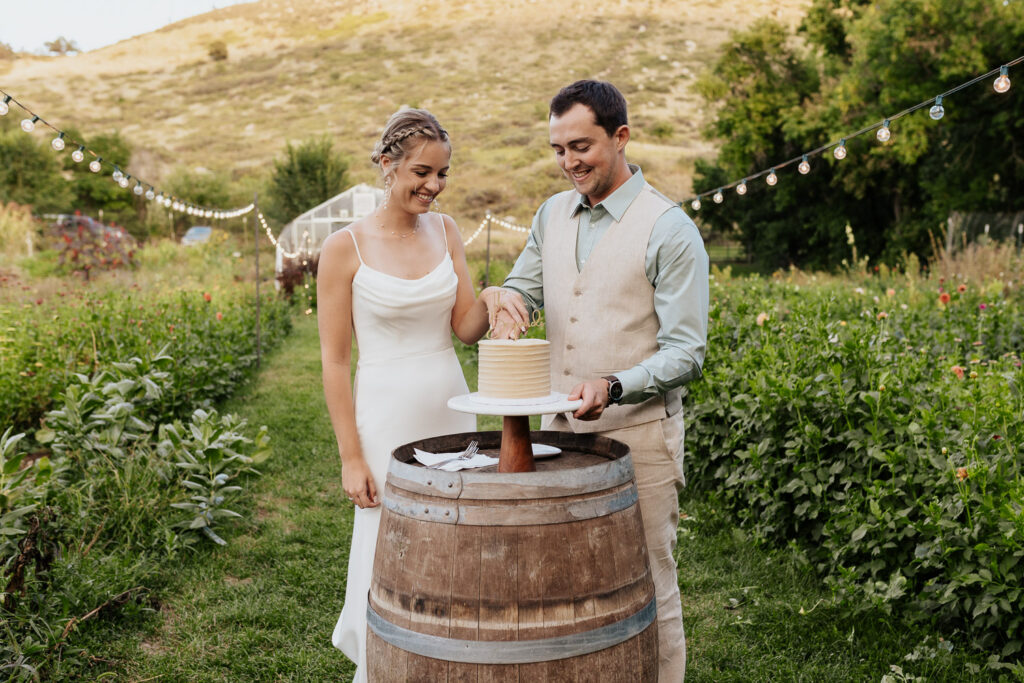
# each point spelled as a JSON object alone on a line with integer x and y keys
{"x": 585, "y": 152}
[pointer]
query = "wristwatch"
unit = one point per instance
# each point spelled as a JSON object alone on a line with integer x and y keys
{"x": 614, "y": 389}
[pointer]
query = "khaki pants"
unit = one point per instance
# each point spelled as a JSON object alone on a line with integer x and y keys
{"x": 657, "y": 450}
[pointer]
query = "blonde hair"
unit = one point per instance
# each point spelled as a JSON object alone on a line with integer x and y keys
{"x": 404, "y": 131}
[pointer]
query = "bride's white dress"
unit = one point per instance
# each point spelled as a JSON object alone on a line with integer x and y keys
{"x": 406, "y": 373}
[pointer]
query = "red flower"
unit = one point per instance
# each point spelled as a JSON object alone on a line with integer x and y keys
{"x": 944, "y": 298}
{"x": 220, "y": 316}
{"x": 206, "y": 296}
{"x": 996, "y": 437}
{"x": 961, "y": 473}
{"x": 961, "y": 288}
{"x": 958, "y": 371}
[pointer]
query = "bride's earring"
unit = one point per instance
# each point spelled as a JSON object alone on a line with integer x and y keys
{"x": 387, "y": 192}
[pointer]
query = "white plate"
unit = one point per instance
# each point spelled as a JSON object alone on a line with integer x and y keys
{"x": 556, "y": 403}
{"x": 542, "y": 450}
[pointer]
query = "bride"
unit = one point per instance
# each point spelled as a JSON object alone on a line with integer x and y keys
{"x": 398, "y": 280}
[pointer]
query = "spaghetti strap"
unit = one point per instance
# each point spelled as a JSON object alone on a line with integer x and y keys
{"x": 356, "y": 244}
{"x": 444, "y": 231}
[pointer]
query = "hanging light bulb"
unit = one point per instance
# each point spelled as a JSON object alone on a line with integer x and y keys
{"x": 78, "y": 155}
{"x": 937, "y": 111}
{"x": 719, "y": 197}
{"x": 138, "y": 188}
{"x": 150, "y": 195}
{"x": 1002, "y": 83}
{"x": 4, "y": 107}
{"x": 840, "y": 151}
{"x": 772, "y": 178}
{"x": 96, "y": 164}
{"x": 29, "y": 125}
{"x": 58, "y": 143}
{"x": 741, "y": 189}
{"x": 123, "y": 181}
{"x": 805, "y": 166}
{"x": 884, "y": 133}
{"x": 116, "y": 175}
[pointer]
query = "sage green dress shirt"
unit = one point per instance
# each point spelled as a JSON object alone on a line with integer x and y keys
{"x": 677, "y": 268}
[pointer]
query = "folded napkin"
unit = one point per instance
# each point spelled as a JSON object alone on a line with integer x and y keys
{"x": 430, "y": 459}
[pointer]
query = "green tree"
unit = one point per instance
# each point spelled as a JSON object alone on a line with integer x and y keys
{"x": 30, "y": 173}
{"x": 310, "y": 173}
{"x": 863, "y": 62}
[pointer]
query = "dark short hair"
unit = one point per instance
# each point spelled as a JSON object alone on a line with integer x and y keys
{"x": 601, "y": 97}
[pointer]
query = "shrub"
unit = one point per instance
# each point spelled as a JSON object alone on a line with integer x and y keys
{"x": 218, "y": 51}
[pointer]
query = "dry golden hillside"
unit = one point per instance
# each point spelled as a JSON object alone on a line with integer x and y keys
{"x": 486, "y": 68}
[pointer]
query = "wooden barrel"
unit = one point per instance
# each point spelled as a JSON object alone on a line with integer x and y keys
{"x": 535, "y": 576}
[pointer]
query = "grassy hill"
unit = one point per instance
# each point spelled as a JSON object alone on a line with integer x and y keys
{"x": 486, "y": 68}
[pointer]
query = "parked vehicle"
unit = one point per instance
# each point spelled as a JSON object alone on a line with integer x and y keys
{"x": 197, "y": 234}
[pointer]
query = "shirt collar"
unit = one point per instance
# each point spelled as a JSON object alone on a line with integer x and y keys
{"x": 618, "y": 201}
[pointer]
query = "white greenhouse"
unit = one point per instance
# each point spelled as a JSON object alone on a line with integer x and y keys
{"x": 300, "y": 240}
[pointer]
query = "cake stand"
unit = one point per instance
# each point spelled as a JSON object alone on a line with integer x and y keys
{"x": 516, "y": 447}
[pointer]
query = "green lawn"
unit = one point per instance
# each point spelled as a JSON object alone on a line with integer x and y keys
{"x": 263, "y": 608}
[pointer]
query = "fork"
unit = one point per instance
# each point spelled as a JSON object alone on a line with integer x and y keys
{"x": 470, "y": 451}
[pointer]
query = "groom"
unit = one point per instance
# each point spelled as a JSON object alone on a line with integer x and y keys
{"x": 622, "y": 275}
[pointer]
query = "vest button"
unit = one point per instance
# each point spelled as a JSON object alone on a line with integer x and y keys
{"x": 573, "y": 320}
{"x": 578, "y": 292}
{"x": 565, "y": 372}
{"x": 569, "y": 347}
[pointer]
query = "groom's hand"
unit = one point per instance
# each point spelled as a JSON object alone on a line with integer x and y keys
{"x": 505, "y": 327}
{"x": 595, "y": 399}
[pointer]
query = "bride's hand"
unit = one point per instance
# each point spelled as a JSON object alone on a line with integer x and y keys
{"x": 357, "y": 480}
{"x": 506, "y": 312}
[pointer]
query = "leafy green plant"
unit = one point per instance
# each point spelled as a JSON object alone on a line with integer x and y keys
{"x": 211, "y": 454}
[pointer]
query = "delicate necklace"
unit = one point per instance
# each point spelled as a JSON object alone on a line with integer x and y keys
{"x": 399, "y": 235}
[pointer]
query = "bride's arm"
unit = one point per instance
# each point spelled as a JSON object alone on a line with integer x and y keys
{"x": 337, "y": 267}
{"x": 470, "y": 319}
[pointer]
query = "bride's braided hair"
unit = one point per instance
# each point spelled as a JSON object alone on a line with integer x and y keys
{"x": 404, "y": 128}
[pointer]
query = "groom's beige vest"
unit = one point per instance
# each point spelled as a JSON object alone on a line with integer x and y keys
{"x": 602, "y": 320}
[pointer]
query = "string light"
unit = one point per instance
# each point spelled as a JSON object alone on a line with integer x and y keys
{"x": 772, "y": 178}
{"x": 61, "y": 140}
{"x": 884, "y": 133}
{"x": 840, "y": 151}
{"x": 1002, "y": 83}
{"x": 718, "y": 197}
{"x": 741, "y": 189}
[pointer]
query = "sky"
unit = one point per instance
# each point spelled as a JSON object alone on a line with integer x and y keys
{"x": 26, "y": 24}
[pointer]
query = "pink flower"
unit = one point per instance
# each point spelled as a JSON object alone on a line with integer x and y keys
{"x": 220, "y": 316}
{"x": 958, "y": 371}
{"x": 206, "y": 296}
{"x": 944, "y": 298}
{"x": 961, "y": 473}
{"x": 982, "y": 306}
{"x": 761, "y": 318}
{"x": 882, "y": 314}
{"x": 890, "y": 292}
{"x": 961, "y": 288}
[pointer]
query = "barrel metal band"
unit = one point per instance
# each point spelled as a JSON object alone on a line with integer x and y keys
{"x": 512, "y": 651}
{"x": 479, "y": 513}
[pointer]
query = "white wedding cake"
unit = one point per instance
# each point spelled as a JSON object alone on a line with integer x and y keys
{"x": 514, "y": 369}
